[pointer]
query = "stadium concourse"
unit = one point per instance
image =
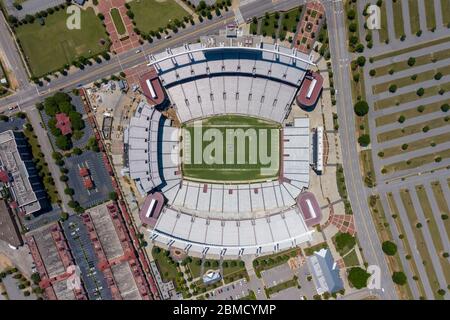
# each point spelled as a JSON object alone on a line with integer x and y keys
{"x": 222, "y": 75}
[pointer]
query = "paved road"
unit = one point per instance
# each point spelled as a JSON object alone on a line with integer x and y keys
{"x": 358, "y": 194}
{"x": 31, "y": 94}
{"x": 10, "y": 54}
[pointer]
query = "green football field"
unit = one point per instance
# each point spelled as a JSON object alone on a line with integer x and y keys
{"x": 231, "y": 149}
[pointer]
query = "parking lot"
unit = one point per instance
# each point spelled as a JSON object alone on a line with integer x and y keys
{"x": 274, "y": 276}
{"x": 13, "y": 123}
{"x": 232, "y": 291}
{"x": 100, "y": 177}
{"x": 85, "y": 257}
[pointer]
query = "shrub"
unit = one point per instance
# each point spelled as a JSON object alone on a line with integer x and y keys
{"x": 361, "y": 108}
{"x": 399, "y": 278}
{"x": 358, "y": 277}
{"x": 364, "y": 140}
{"x": 389, "y": 248}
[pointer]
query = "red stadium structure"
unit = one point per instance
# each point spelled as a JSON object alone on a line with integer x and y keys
{"x": 310, "y": 90}
{"x": 151, "y": 87}
{"x": 308, "y": 205}
{"x": 152, "y": 208}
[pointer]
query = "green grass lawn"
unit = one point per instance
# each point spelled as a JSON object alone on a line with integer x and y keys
{"x": 150, "y": 15}
{"x": 417, "y": 162}
{"x": 226, "y": 158}
{"x": 118, "y": 22}
{"x": 433, "y": 228}
{"x": 384, "y": 234}
{"x": 420, "y": 241}
{"x": 398, "y": 19}
{"x": 289, "y": 21}
{"x": 281, "y": 286}
{"x": 409, "y": 113}
{"x": 195, "y": 267}
{"x": 168, "y": 271}
{"x": 254, "y": 28}
{"x": 384, "y": 32}
{"x": 410, "y": 96}
{"x": 268, "y": 262}
{"x": 445, "y": 9}
{"x": 269, "y": 29}
{"x": 442, "y": 204}
{"x": 414, "y": 15}
{"x": 412, "y": 129}
{"x": 47, "y": 48}
{"x": 367, "y": 168}
{"x": 50, "y": 188}
{"x": 411, "y": 49}
{"x": 406, "y": 81}
{"x": 430, "y": 14}
{"x": 401, "y": 230}
{"x": 351, "y": 259}
{"x": 342, "y": 189}
{"x": 421, "y": 60}
{"x": 416, "y": 145}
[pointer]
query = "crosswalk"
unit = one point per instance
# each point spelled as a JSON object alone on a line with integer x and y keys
{"x": 238, "y": 17}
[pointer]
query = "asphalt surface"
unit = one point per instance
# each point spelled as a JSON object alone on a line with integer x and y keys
{"x": 358, "y": 193}
{"x": 30, "y": 95}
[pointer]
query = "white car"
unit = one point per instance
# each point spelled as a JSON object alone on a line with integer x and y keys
{"x": 168, "y": 37}
{"x": 138, "y": 51}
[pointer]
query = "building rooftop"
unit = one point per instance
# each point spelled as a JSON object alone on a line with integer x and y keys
{"x": 63, "y": 123}
{"x": 9, "y": 232}
{"x": 16, "y": 162}
{"x": 325, "y": 272}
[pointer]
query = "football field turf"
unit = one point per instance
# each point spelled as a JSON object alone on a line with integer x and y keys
{"x": 231, "y": 149}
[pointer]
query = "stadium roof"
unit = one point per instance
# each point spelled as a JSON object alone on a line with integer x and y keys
{"x": 310, "y": 90}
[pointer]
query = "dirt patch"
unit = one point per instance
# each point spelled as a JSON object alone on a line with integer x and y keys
{"x": 5, "y": 262}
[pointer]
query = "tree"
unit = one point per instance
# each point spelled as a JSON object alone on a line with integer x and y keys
{"x": 389, "y": 248}
{"x": 69, "y": 191}
{"x": 51, "y": 107}
{"x": 35, "y": 277}
{"x": 63, "y": 142}
{"x": 361, "y": 108}
{"x": 77, "y": 151}
{"x": 361, "y": 61}
{"x": 64, "y": 216}
{"x": 76, "y": 120}
{"x": 392, "y": 88}
{"x": 399, "y": 278}
{"x": 113, "y": 196}
{"x": 358, "y": 277}
{"x": 344, "y": 240}
{"x": 364, "y": 140}
{"x": 411, "y": 61}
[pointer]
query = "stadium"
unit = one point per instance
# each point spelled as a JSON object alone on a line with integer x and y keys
{"x": 222, "y": 171}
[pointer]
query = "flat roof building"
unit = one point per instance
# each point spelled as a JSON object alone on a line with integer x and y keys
{"x": 16, "y": 163}
{"x": 9, "y": 232}
{"x": 325, "y": 272}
